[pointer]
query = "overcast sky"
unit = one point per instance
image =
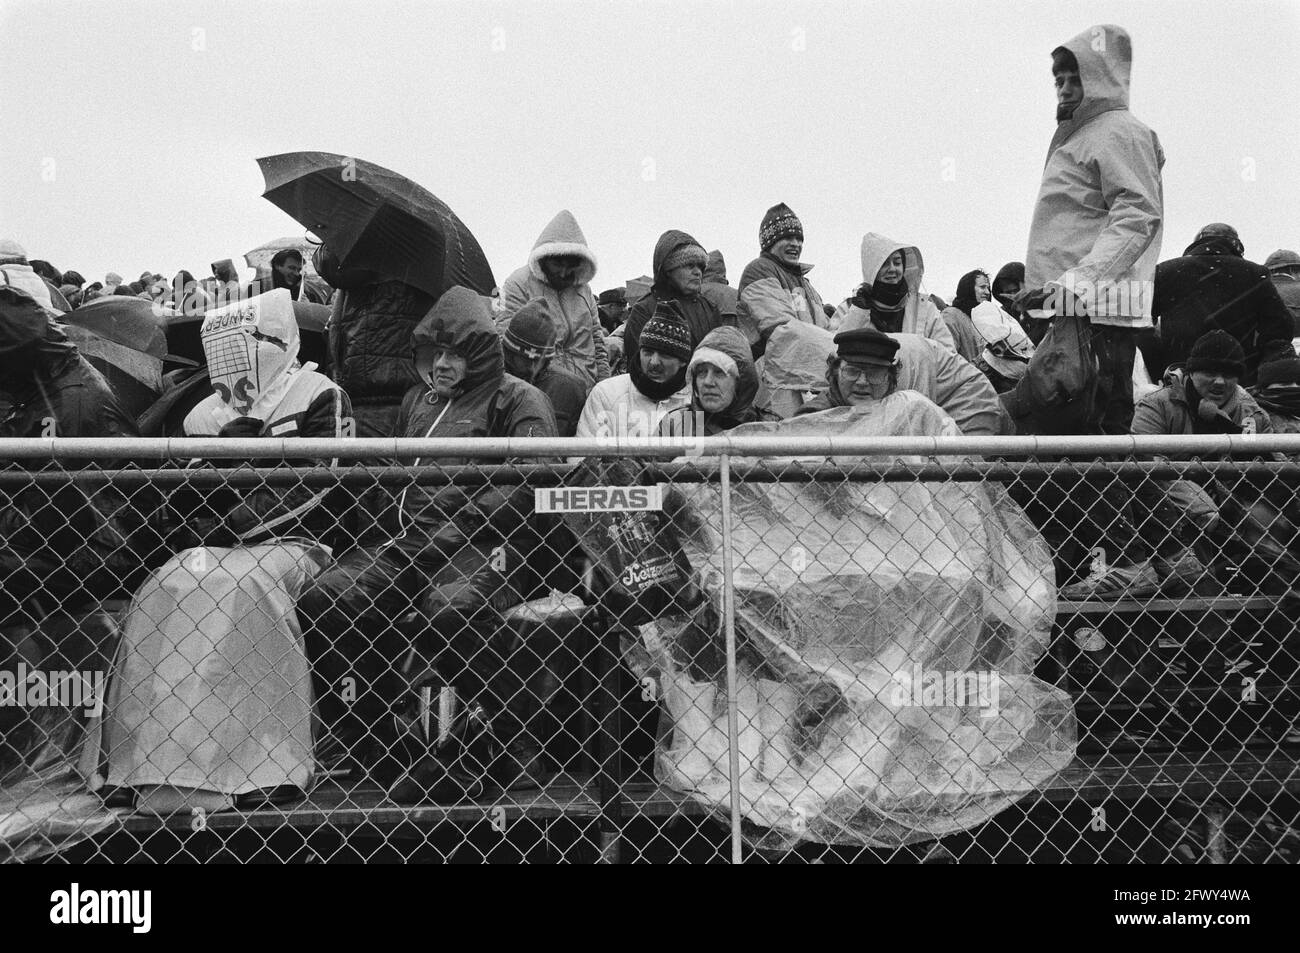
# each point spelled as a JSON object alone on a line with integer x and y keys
{"x": 131, "y": 129}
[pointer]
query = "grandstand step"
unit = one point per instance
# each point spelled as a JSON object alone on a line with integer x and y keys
{"x": 346, "y": 805}
{"x": 1134, "y": 775}
{"x": 1166, "y": 605}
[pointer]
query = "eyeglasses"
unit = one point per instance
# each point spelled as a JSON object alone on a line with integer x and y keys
{"x": 853, "y": 372}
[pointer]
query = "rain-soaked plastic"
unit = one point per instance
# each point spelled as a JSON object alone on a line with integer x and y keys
{"x": 886, "y": 638}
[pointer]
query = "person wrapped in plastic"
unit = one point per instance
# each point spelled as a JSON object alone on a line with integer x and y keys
{"x": 886, "y": 638}
{"x": 210, "y": 698}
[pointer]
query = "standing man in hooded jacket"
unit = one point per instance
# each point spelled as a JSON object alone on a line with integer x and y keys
{"x": 560, "y": 268}
{"x": 456, "y": 556}
{"x": 1095, "y": 236}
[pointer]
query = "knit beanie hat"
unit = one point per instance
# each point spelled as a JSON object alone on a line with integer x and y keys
{"x": 1285, "y": 371}
{"x": 667, "y": 333}
{"x": 1217, "y": 350}
{"x": 531, "y": 332}
{"x": 686, "y": 254}
{"x": 779, "y": 222}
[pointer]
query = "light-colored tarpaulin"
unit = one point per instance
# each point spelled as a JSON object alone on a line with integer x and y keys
{"x": 887, "y": 634}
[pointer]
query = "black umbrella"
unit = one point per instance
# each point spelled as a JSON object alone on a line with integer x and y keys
{"x": 377, "y": 220}
{"x": 132, "y": 322}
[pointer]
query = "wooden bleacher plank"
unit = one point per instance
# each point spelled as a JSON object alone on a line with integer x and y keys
{"x": 1155, "y": 605}
{"x": 333, "y": 805}
{"x": 1110, "y": 776}
{"x": 1131, "y": 776}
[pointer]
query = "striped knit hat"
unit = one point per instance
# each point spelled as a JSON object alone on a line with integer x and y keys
{"x": 667, "y": 333}
{"x": 779, "y": 222}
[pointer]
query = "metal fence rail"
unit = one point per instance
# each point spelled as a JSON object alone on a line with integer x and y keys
{"x": 775, "y": 649}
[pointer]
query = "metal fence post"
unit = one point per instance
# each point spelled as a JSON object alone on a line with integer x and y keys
{"x": 729, "y": 628}
{"x": 610, "y": 774}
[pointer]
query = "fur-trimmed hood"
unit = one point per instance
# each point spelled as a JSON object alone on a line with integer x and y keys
{"x": 562, "y": 236}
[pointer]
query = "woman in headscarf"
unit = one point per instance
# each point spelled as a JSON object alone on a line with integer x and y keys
{"x": 723, "y": 382}
{"x": 972, "y": 290}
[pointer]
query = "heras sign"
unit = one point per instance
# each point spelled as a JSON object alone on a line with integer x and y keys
{"x": 597, "y": 499}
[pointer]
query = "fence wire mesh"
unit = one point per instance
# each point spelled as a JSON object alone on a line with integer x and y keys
{"x": 924, "y": 651}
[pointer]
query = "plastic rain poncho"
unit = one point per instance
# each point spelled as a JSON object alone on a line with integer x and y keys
{"x": 886, "y": 634}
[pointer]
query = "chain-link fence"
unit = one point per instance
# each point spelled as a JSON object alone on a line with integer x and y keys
{"x": 771, "y": 649}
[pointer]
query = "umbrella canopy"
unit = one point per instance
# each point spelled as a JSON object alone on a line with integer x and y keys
{"x": 377, "y": 220}
{"x": 134, "y": 323}
{"x": 262, "y": 254}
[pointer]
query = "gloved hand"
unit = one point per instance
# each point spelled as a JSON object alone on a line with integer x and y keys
{"x": 1210, "y": 413}
{"x": 243, "y": 427}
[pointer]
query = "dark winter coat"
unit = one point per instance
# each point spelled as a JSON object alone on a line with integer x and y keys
{"x": 76, "y": 542}
{"x": 567, "y": 395}
{"x": 1209, "y": 287}
{"x": 700, "y": 313}
{"x": 370, "y": 350}
{"x": 488, "y": 403}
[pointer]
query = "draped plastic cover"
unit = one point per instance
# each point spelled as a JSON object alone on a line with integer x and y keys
{"x": 211, "y": 688}
{"x": 886, "y": 638}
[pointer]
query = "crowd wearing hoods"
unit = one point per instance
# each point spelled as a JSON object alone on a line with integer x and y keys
{"x": 678, "y": 353}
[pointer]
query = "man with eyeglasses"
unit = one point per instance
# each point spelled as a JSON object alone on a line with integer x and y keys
{"x": 864, "y": 369}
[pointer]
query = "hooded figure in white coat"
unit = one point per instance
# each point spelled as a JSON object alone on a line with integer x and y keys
{"x": 560, "y": 268}
{"x": 891, "y": 298}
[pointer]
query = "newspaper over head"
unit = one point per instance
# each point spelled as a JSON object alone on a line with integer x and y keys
{"x": 250, "y": 345}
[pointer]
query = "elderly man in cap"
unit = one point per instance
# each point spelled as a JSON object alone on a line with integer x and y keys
{"x": 612, "y": 306}
{"x": 863, "y": 370}
{"x": 528, "y": 343}
{"x": 1284, "y": 271}
{"x": 1212, "y": 285}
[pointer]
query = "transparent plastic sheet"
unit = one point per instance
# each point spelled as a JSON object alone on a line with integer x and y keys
{"x": 44, "y": 803}
{"x": 211, "y": 688}
{"x": 851, "y": 599}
